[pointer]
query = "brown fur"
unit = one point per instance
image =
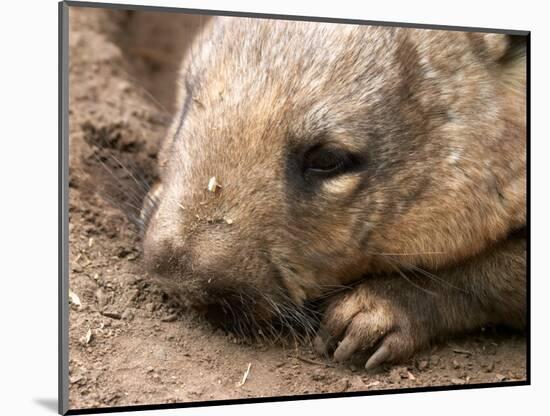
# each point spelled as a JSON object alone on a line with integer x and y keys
{"x": 438, "y": 121}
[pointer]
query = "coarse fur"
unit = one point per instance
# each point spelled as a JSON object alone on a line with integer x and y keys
{"x": 421, "y": 238}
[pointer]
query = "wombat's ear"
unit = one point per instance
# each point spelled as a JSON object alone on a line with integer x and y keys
{"x": 491, "y": 46}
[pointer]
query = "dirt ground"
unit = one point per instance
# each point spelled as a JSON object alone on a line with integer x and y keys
{"x": 128, "y": 344}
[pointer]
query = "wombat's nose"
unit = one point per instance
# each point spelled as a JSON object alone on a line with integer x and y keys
{"x": 207, "y": 254}
{"x": 162, "y": 256}
{"x": 164, "y": 251}
{"x": 217, "y": 272}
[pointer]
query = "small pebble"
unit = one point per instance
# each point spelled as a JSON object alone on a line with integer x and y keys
{"x": 127, "y": 315}
{"x": 112, "y": 314}
{"x": 395, "y": 375}
{"x": 76, "y": 379}
{"x": 490, "y": 367}
{"x": 170, "y": 318}
{"x": 422, "y": 365}
{"x": 160, "y": 355}
{"x": 102, "y": 298}
{"x": 343, "y": 384}
{"x": 318, "y": 375}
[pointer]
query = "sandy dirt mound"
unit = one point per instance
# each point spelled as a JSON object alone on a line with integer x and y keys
{"x": 128, "y": 344}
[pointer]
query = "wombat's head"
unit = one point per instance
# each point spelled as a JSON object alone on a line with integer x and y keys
{"x": 306, "y": 155}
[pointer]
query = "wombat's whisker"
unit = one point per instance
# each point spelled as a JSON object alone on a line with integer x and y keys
{"x": 297, "y": 317}
{"x": 404, "y": 276}
{"x": 436, "y": 278}
{"x": 337, "y": 289}
{"x": 122, "y": 205}
{"x": 286, "y": 313}
{"x": 236, "y": 323}
{"x": 420, "y": 270}
{"x": 245, "y": 323}
{"x": 142, "y": 184}
{"x": 134, "y": 197}
{"x": 139, "y": 85}
{"x": 276, "y": 335}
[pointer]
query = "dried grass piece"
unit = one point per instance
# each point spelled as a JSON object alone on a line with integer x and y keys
{"x": 245, "y": 376}
{"x": 74, "y": 299}
{"x": 213, "y": 184}
{"x": 88, "y": 336}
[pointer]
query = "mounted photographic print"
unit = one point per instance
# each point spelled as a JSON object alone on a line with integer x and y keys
{"x": 268, "y": 208}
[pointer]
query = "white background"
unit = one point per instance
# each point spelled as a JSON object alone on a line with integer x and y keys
{"x": 28, "y": 230}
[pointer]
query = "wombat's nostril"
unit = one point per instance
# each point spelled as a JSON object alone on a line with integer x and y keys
{"x": 164, "y": 254}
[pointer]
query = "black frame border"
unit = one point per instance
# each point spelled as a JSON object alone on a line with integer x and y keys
{"x": 63, "y": 219}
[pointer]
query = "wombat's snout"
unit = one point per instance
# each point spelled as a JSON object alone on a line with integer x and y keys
{"x": 215, "y": 271}
{"x": 202, "y": 258}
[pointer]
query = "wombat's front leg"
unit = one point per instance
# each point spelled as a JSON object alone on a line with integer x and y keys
{"x": 391, "y": 317}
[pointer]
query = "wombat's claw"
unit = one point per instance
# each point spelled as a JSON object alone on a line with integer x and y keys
{"x": 362, "y": 322}
{"x": 380, "y": 356}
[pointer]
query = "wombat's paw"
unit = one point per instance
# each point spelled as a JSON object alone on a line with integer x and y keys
{"x": 363, "y": 321}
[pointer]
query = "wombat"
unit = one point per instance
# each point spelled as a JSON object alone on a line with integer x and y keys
{"x": 381, "y": 170}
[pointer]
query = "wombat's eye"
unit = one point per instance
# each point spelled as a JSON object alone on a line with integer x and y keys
{"x": 328, "y": 161}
